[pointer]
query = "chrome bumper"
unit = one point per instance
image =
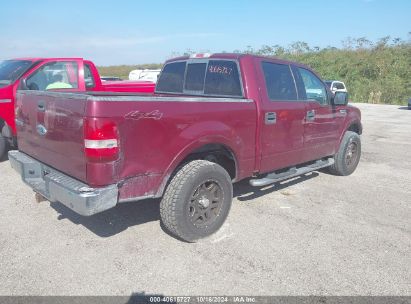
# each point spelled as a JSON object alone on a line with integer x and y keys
{"x": 58, "y": 187}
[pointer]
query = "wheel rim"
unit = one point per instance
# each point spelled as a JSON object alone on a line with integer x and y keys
{"x": 351, "y": 154}
{"x": 205, "y": 204}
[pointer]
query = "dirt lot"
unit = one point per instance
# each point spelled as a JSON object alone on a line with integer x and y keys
{"x": 318, "y": 234}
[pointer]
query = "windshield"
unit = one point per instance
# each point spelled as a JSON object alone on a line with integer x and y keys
{"x": 11, "y": 70}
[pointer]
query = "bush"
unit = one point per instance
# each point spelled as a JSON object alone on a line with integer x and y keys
{"x": 374, "y": 72}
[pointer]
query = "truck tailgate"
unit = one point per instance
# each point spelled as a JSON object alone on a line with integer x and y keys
{"x": 50, "y": 129}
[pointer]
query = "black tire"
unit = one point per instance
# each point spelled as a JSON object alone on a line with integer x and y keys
{"x": 3, "y": 147}
{"x": 199, "y": 187}
{"x": 348, "y": 155}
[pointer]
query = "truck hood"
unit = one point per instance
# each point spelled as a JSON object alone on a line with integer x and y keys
{"x": 6, "y": 92}
{"x": 2, "y": 85}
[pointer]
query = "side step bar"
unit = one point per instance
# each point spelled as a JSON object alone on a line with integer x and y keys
{"x": 292, "y": 172}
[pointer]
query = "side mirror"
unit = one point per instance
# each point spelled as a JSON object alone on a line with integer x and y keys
{"x": 340, "y": 98}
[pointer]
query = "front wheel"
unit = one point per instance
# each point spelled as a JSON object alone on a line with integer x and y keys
{"x": 3, "y": 147}
{"x": 348, "y": 155}
{"x": 197, "y": 200}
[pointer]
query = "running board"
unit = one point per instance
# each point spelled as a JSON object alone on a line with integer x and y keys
{"x": 292, "y": 172}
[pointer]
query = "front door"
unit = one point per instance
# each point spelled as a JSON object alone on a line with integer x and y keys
{"x": 321, "y": 127}
{"x": 57, "y": 75}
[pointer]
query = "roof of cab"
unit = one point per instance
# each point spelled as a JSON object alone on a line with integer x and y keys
{"x": 236, "y": 56}
{"x": 44, "y": 58}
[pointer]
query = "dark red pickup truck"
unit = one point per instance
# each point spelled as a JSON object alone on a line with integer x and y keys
{"x": 75, "y": 74}
{"x": 214, "y": 120}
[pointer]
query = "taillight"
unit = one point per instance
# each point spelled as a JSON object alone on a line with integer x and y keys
{"x": 101, "y": 139}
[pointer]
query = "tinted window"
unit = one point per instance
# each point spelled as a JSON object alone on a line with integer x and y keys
{"x": 11, "y": 70}
{"x": 314, "y": 88}
{"x": 339, "y": 86}
{"x": 55, "y": 75}
{"x": 222, "y": 78}
{"x": 279, "y": 81}
{"x": 88, "y": 77}
{"x": 195, "y": 77}
{"x": 300, "y": 83}
{"x": 172, "y": 78}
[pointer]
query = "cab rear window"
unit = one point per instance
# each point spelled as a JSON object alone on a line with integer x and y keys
{"x": 172, "y": 78}
{"x": 201, "y": 77}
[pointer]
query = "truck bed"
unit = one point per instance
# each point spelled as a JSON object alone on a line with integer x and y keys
{"x": 154, "y": 133}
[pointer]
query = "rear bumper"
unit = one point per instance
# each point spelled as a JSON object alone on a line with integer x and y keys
{"x": 58, "y": 187}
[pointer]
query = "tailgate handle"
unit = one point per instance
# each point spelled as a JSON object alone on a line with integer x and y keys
{"x": 40, "y": 106}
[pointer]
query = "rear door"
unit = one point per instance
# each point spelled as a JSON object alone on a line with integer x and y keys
{"x": 282, "y": 125}
{"x": 321, "y": 125}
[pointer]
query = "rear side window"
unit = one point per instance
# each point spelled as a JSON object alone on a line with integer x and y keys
{"x": 88, "y": 77}
{"x": 300, "y": 83}
{"x": 208, "y": 77}
{"x": 222, "y": 79}
{"x": 279, "y": 81}
{"x": 172, "y": 78}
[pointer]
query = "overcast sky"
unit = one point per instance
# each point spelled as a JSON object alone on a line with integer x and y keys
{"x": 134, "y": 32}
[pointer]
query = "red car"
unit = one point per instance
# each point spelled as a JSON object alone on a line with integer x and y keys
{"x": 76, "y": 73}
{"x": 214, "y": 120}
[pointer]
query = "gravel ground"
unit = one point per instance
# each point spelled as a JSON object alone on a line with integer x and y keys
{"x": 319, "y": 234}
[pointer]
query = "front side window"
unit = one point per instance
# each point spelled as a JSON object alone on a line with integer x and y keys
{"x": 279, "y": 81}
{"x": 210, "y": 77}
{"x": 314, "y": 88}
{"x": 11, "y": 70}
{"x": 54, "y": 75}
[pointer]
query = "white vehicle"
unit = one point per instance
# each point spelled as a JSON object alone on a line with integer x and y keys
{"x": 146, "y": 74}
{"x": 336, "y": 86}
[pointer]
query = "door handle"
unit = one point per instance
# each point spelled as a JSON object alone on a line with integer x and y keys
{"x": 41, "y": 107}
{"x": 270, "y": 118}
{"x": 311, "y": 115}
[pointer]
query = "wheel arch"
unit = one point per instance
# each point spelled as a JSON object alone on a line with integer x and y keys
{"x": 217, "y": 151}
{"x": 355, "y": 126}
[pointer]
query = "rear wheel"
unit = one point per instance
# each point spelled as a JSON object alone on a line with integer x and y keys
{"x": 348, "y": 155}
{"x": 3, "y": 147}
{"x": 197, "y": 200}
